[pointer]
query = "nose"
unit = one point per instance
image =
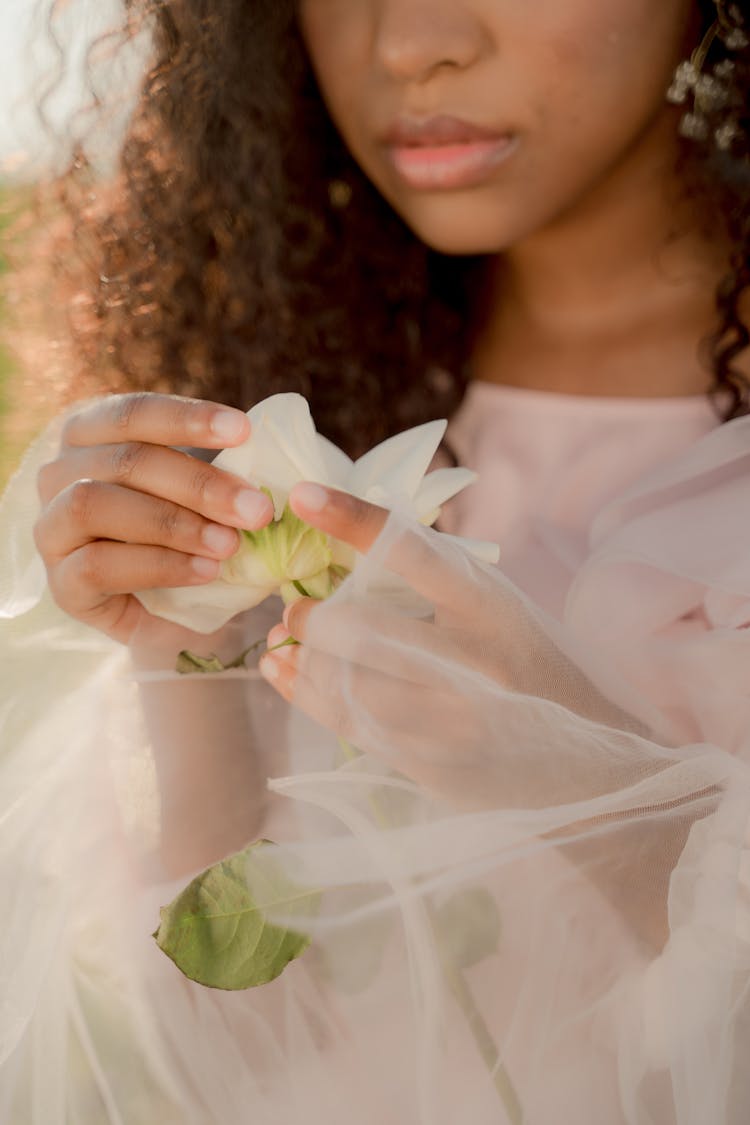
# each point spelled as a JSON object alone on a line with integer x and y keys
{"x": 416, "y": 38}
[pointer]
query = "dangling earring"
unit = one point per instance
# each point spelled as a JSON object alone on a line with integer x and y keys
{"x": 711, "y": 90}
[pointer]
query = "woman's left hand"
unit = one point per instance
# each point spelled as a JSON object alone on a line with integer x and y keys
{"x": 436, "y": 697}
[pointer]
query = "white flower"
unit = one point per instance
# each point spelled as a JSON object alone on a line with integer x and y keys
{"x": 289, "y": 557}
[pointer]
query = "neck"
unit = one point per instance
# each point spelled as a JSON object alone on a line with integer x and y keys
{"x": 613, "y": 297}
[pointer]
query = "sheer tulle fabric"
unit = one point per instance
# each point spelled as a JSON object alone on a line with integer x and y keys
{"x": 535, "y": 873}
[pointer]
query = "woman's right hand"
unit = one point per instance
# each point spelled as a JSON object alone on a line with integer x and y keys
{"x": 123, "y": 510}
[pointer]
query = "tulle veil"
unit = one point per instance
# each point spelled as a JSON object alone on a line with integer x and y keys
{"x": 546, "y": 917}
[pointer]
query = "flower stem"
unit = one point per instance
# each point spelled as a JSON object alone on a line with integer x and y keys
{"x": 483, "y": 1039}
{"x": 463, "y": 995}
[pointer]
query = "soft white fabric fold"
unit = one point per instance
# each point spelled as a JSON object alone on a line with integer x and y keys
{"x": 594, "y": 798}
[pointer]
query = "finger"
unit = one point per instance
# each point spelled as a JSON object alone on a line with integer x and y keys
{"x": 341, "y": 695}
{"x": 340, "y": 514}
{"x": 278, "y": 635}
{"x": 162, "y": 472}
{"x": 438, "y": 571}
{"x": 158, "y": 419}
{"x": 427, "y": 735}
{"x": 94, "y": 583}
{"x": 90, "y": 510}
{"x": 376, "y": 638}
{"x": 117, "y": 617}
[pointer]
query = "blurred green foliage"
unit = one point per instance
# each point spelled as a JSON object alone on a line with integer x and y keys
{"x": 15, "y": 430}
{"x": 4, "y": 360}
{"x": 28, "y": 396}
{"x": 6, "y": 457}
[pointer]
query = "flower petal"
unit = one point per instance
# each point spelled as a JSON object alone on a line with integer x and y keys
{"x": 204, "y": 609}
{"x": 343, "y": 555}
{"x": 480, "y": 549}
{"x": 338, "y": 465}
{"x": 439, "y": 486}
{"x": 248, "y": 566}
{"x": 283, "y": 448}
{"x": 397, "y": 465}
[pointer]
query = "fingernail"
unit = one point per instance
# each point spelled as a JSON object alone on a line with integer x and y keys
{"x": 312, "y": 496}
{"x": 268, "y": 668}
{"x": 206, "y": 568}
{"x": 218, "y": 539}
{"x": 253, "y": 508}
{"x": 229, "y": 425}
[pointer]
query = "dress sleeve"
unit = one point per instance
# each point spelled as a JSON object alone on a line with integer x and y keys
{"x": 669, "y": 579}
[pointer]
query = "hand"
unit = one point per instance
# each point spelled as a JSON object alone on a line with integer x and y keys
{"x": 486, "y": 705}
{"x": 395, "y": 667}
{"x": 125, "y": 511}
{"x": 466, "y": 703}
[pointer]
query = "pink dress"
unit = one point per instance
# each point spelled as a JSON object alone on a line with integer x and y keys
{"x": 613, "y": 515}
{"x": 553, "y": 926}
{"x": 548, "y": 463}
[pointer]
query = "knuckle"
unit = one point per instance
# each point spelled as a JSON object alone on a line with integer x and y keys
{"x": 203, "y": 482}
{"x": 80, "y": 501}
{"x": 169, "y": 521}
{"x": 125, "y": 459}
{"x": 128, "y": 408}
{"x": 88, "y": 564}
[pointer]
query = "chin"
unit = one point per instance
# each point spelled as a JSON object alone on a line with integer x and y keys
{"x": 461, "y": 242}
{"x": 459, "y": 246}
{"x": 461, "y": 230}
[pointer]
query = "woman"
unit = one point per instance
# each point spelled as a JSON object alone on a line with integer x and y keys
{"x": 535, "y": 877}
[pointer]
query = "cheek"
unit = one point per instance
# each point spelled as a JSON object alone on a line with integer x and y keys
{"x": 338, "y": 36}
{"x": 614, "y": 56}
{"x": 601, "y": 78}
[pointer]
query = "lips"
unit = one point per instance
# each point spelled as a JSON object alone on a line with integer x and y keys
{"x": 443, "y": 153}
{"x": 434, "y": 132}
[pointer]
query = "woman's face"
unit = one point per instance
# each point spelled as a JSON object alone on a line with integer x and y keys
{"x": 485, "y": 121}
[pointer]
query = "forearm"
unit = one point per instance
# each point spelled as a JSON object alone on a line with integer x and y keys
{"x": 211, "y": 781}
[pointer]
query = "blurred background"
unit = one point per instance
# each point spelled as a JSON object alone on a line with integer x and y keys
{"x": 64, "y": 78}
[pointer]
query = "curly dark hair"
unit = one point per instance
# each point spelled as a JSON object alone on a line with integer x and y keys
{"x": 243, "y": 252}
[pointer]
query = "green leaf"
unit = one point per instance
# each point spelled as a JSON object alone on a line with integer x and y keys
{"x": 217, "y": 931}
{"x": 190, "y": 663}
{"x": 352, "y": 957}
{"x": 469, "y": 926}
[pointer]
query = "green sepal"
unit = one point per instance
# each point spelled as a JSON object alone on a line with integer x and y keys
{"x": 217, "y": 931}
